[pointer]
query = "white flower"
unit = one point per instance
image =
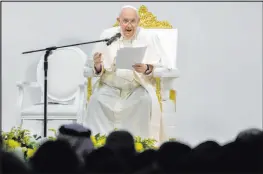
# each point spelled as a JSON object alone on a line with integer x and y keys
{"x": 18, "y": 151}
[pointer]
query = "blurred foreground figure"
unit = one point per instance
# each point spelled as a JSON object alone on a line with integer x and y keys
{"x": 79, "y": 138}
{"x": 122, "y": 144}
{"x": 55, "y": 157}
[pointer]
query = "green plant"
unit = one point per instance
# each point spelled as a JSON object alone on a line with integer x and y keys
{"x": 23, "y": 138}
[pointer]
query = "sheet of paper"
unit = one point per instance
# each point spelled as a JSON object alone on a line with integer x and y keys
{"x": 128, "y": 56}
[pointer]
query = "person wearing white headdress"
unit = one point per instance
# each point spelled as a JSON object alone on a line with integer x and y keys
{"x": 126, "y": 99}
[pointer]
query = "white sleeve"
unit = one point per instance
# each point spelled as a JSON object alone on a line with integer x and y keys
{"x": 98, "y": 47}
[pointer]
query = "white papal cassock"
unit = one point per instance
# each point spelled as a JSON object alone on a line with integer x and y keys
{"x": 125, "y": 99}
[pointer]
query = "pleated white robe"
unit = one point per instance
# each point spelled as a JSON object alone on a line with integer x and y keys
{"x": 125, "y": 99}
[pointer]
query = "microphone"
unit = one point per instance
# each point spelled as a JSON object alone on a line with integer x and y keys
{"x": 113, "y": 38}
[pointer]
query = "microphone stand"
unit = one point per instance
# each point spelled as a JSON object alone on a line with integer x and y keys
{"x": 49, "y": 52}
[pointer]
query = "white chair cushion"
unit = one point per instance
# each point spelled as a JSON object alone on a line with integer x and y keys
{"x": 54, "y": 110}
{"x": 65, "y": 73}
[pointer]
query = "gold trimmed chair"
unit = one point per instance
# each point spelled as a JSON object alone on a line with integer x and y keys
{"x": 165, "y": 89}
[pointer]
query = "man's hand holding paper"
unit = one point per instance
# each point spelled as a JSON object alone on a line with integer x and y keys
{"x": 131, "y": 58}
{"x": 140, "y": 67}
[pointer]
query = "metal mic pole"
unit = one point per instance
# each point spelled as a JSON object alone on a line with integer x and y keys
{"x": 49, "y": 52}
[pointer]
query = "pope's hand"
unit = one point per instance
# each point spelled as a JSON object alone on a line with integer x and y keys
{"x": 140, "y": 68}
{"x": 97, "y": 60}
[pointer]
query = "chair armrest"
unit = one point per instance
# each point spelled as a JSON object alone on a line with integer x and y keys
{"x": 92, "y": 79}
{"x": 27, "y": 84}
{"x": 165, "y": 82}
{"x": 166, "y": 73}
{"x": 88, "y": 72}
{"x": 21, "y": 89}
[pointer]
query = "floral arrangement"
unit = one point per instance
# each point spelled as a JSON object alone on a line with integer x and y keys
{"x": 20, "y": 140}
{"x": 23, "y": 141}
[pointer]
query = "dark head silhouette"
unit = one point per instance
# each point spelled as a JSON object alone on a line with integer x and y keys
{"x": 175, "y": 151}
{"x": 103, "y": 160}
{"x": 55, "y": 157}
{"x": 248, "y": 134}
{"x": 122, "y": 143}
{"x": 11, "y": 164}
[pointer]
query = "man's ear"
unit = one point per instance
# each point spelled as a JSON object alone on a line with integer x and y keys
{"x": 118, "y": 19}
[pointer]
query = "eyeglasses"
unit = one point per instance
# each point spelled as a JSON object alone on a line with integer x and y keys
{"x": 126, "y": 22}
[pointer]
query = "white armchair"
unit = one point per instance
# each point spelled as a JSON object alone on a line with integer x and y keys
{"x": 165, "y": 87}
{"x": 65, "y": 93}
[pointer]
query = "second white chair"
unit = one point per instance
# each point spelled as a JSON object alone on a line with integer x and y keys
{"x": 65, "y": 93}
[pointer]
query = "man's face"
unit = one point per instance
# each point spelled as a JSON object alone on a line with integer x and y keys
{"x": 128, "y": 21}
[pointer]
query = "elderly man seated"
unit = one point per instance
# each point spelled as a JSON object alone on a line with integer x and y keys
{"x": 126, "y": 99}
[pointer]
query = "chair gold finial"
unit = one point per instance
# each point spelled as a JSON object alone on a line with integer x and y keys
{"x": 148, "y": 20}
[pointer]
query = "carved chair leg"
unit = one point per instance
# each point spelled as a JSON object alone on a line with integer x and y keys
{"x": 173, "y": 97}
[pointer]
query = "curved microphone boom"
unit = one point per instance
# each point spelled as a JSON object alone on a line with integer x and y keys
{"x": 113, "y": 38}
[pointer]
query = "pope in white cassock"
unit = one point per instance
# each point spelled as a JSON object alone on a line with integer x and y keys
{"x": 126, "y": 99}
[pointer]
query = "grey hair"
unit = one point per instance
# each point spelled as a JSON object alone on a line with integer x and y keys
{"x": 129, "y": 7}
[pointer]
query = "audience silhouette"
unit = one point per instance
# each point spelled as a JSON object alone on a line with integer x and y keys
{"x": 242, "y": 155}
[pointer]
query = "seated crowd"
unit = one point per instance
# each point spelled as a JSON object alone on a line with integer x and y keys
{"x": 118, "y": 155}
